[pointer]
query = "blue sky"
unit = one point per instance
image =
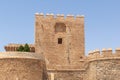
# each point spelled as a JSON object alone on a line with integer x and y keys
{"x": 102, "y": 20}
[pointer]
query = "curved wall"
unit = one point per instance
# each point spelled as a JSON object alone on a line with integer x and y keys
{"x": 22, "y": 66}
{"x": 104, "y": 69}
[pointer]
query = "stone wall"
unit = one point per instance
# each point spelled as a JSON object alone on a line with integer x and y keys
{"x": 22, "y": 66}
{"x": 99, "y": 65}
{"x": 14, "y": 47}
{"x": 103, "y": 65}
{"x": 67, "y": 75}
{"x": 99, "y": 69}
{"x": 104, "y": 70}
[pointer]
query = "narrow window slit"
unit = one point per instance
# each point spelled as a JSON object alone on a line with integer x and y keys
{"x": 59, "y": 40}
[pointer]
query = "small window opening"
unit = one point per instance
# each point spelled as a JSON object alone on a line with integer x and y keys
{"x": 81, "y": 57}
{"x": 59, "y": 40}
{"x": 60, "y": 27}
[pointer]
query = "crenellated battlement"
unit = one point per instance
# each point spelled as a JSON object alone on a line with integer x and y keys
{"x": 104, "y": 54}
{"x": 14, "y": 47}
{"x": 59, "y": 16}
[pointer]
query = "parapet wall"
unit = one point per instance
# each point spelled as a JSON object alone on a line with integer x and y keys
{"x": 22, "y": 66}
{"x": 99, "y": 65}
{"x": 14, "y": 47}
{"x": 103, "y": 65}
{"x": 103, "y": 70}
{"x": 104, "y": 54}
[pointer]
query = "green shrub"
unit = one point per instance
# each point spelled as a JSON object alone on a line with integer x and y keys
{"x": 24, "y": 48}
{"x": 21, "y": 48}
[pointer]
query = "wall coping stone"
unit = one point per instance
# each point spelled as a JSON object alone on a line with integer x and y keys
{"x": 23, "y": 55}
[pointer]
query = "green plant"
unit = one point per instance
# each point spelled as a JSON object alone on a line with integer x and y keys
{"x": 21, "y": 48}
{"x": 24, "y": 48}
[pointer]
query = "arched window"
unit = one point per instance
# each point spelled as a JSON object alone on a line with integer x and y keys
{"x": 60, "y": 27}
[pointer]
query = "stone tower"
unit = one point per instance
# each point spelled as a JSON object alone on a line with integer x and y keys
{"x": 60, "y": 39}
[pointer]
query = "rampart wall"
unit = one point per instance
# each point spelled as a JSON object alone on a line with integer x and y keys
{"x": 104, "y": 54}
{"x": 14, "y": 47}
{"x": 22, "y": 66}
{"x": 104, "y": 65}
{"x": 98, "y": 65}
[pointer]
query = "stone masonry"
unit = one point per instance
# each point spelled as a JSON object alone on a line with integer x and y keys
{"x": 49, "y": 30}
{"x": 22, "y": 66}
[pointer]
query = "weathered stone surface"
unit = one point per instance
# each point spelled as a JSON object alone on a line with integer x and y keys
{"x": 22, "y": 66}
{"x": 68, "y": 75}
{"x": 104, "y": 70}
{"x": 49, "y": 30}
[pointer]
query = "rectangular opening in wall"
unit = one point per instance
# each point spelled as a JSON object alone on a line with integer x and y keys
{"x": 59, "y": 40}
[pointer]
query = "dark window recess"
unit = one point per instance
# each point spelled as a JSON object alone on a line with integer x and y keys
{"x": 60, "y": 27}
{"x": 81, "y": 57}
{"x": 59, "y": 40}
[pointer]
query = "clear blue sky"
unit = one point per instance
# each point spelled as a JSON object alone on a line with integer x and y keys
{"x": 102, "y": 20}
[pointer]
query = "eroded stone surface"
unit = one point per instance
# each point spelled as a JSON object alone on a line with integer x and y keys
{"x": 22, "y": 66}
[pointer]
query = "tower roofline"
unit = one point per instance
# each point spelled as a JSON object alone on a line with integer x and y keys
{"x": 51, "y": 15}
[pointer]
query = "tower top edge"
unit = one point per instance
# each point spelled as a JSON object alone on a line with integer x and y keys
{"x": 59, "y": 15}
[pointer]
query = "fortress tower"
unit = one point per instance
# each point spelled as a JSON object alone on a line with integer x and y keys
{"x": 60, "y": 39}
{"x": 59, "y": 46}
